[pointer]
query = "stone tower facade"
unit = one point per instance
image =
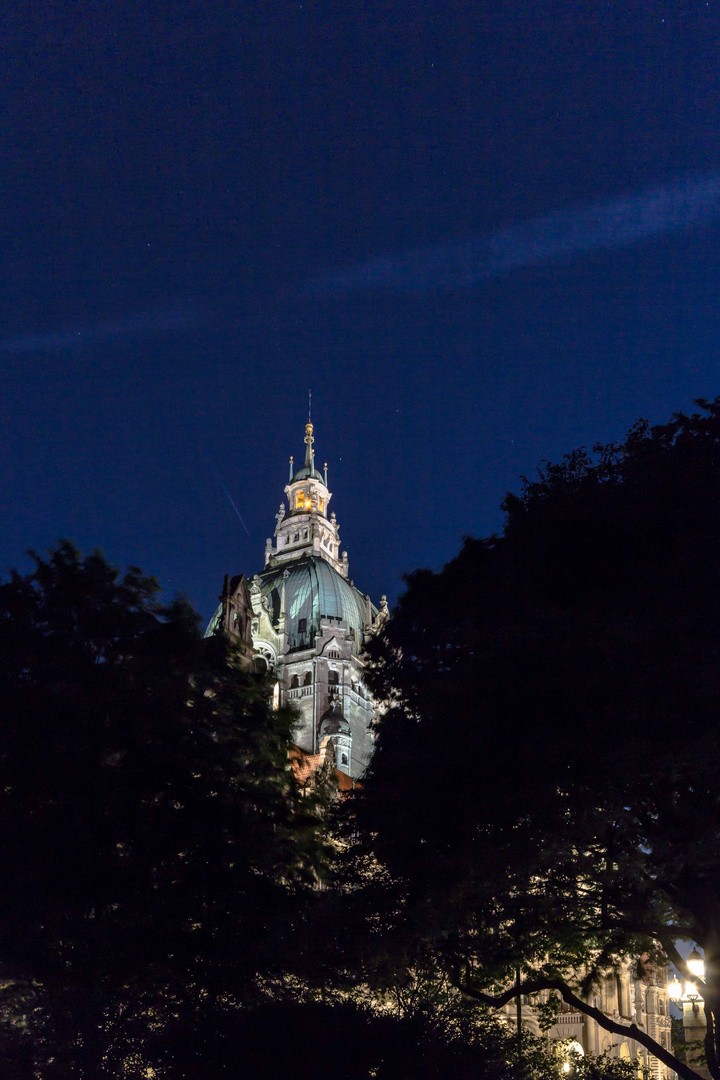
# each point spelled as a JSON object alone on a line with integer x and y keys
{"x": 303, "y": 619}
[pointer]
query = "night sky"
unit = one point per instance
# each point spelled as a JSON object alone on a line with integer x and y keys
{"x": 482, "y": 233}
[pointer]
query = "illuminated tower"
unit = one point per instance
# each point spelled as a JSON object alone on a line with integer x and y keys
{"x": 308, "y": 623}
{"x": 306, "y": 527}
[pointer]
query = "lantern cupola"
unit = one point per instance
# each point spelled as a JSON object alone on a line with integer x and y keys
{"x": 306, "y": 527}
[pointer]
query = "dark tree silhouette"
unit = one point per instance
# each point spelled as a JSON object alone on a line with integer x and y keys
{"x": 545, "y": 790}
{"x": 153, "y": 843}
{"x": 350, "y": 1042}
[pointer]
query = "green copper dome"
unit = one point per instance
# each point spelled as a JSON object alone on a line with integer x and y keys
{"x": 308, "y": 471}
{"x": 314, "y": 591}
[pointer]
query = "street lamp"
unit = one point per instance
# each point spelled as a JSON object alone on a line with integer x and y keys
{"x": 689, "y": 991}
{"x": 688, "y": 996}
{"x": 696, "y": 964}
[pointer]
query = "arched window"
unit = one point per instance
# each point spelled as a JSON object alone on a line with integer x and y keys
{"x": 294, "y": 682}
{"x": 343, "y": 759}
{"x": 308, "y": 679}
{"x": 301, "y": 502}
{"x": 333, "y": 677}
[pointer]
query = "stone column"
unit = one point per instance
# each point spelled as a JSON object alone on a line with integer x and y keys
{"x": 694, "y": 1029}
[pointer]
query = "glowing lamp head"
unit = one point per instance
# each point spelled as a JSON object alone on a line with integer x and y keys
{"x": 696, "y": 964}
{"x": 675, "y": 989}
{"x": 566, "y": 1067}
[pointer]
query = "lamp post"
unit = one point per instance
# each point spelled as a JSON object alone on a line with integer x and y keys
{"x": 694, "y": 1022}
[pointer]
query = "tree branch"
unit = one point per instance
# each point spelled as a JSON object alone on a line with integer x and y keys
{"x": 631, "y": 1031}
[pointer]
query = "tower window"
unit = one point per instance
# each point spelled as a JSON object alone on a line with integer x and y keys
{"x": 294, "y": 682}
{"x": 308, "y": 678}
{"x": 343, "y": 759}
{"x": 333, "y": 678}
{"x": 302, "y": 626}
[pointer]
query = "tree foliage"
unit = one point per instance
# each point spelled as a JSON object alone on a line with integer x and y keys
{"x": 154, "y": 843}
{"x": 349, "y": 1041}
{"x": 545, "y": 789}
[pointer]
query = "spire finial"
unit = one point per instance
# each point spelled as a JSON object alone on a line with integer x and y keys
{"x": 291, "y": 468}
{"x": 309, "y": 406}
{"x": 309, "y": 443}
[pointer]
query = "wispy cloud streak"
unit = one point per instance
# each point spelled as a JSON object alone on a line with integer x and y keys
{"x": 150, "y": 322}
{"x": 655, "y": 212}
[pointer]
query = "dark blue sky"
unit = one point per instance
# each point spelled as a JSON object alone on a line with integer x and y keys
{"x": 482, "y": 233}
